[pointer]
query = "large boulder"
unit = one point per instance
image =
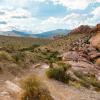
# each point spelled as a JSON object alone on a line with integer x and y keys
{"x": 95, "y": 41}
{"x": 94, "y": 55}
{"x": 74, "y": 56}
{"x": 98, "y": 61}
{"x": 98, "y": 27}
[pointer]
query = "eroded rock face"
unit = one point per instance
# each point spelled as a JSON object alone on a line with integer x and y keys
{"x": 98, "y": 61}
{"x": 98, "y": 27}
{"x": 82, "y": 29}
{"x": 84, "y": 55}
{"x": 95, "y": 41}
{"x": 74, "y": 56}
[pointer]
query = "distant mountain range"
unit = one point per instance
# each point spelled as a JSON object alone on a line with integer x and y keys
{"x": 48, "y": 34}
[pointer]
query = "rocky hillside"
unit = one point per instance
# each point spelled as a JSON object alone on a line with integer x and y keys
{"x": 81, "y": 49}
{"x": 86, "y": 48}
{"x": 65, "y": 43}
{"x": 82, "y": 29}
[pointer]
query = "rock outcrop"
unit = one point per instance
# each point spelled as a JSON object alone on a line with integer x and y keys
{"x": 82, "y": 29}
{"x": 85, "y": 52}
{"x": 95, "y": 40}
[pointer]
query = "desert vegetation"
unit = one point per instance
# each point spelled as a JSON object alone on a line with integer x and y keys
{"x": 59, "y": 72}
{"x": 17, "y": 53}
{"x": 11, "y": 43}
{"x": 34, "y": 89}
{"x": 88, "y": 80}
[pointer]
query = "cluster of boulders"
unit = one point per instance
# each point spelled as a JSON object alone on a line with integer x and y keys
{"x": 95, "y": 42}
{"x": 85, "y": 54}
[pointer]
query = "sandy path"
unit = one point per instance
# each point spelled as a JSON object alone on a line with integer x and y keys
{"x": 60, "y": 91}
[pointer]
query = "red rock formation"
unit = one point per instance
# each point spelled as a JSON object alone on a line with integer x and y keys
{"x": 95, "y": 40}
{"x": 82, "y": 29}
{"x": 98, "y": 27}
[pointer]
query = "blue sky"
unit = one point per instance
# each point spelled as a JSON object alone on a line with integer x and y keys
{"x": 43, "y": 15}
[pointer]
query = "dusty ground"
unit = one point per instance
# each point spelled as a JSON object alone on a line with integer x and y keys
{"x": 62, "y": 91}
{"x": 58, "y": 90}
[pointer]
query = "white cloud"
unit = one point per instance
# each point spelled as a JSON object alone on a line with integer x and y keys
{"x": 75, "y": 4}
{"x": 95, "y": 16}
{"x": 15, "y": 13}
{"x": 96, "y": 12}
{"x": 70, "y": 21}
{"x": 22, "y": 19}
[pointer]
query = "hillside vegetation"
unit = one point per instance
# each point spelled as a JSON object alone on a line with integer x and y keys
{"x": 15, "y": 43}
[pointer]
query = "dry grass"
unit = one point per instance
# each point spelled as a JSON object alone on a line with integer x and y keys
{"x": 16, "y": 43}
{"x": 34, "y": 89}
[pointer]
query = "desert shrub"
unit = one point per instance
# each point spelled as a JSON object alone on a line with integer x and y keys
{"x": 34, "y": 89}
{"x": 59, "y": 73}
{"x": 84, "y": 83}
{"x": 31, "y": 48}
{"x": 88, "y": 80}
{"x": 18, "y": 56}
{"x": 5, "y": 56}
{"x": 96, "y": 84}
{"x": 64, "y": 65}
{"x": 79, "y": 74}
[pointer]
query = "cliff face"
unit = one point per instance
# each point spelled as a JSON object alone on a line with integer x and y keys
{"x": 95, "y": 40}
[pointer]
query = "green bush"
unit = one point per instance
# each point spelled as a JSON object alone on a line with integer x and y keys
{"x": 34, "y": 89}
{"x": 59, "y": 73}
{"x": 64, "y": 65}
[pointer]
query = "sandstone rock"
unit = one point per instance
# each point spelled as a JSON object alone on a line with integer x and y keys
{"x": 95, "y": 41}
{"x": 94, "y": 55}
{"x": 82, "y": 29}
{"x": 98, "y": 61}
{"x": 74, "y": 56}
{"x": 13, "y": 87}
{"x": 73, "y": 76}
{"x": 4, "y": 93}
{"x": 98, "y": 27}
{"x": 71, "y": 55}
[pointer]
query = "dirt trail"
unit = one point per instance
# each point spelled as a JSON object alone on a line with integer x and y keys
{"x": 60, "y": 91}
